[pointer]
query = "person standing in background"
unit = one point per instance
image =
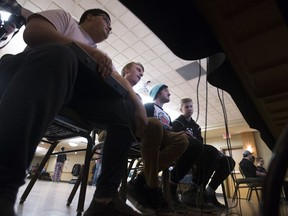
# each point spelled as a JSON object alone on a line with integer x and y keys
{"x": 60, "y": 161}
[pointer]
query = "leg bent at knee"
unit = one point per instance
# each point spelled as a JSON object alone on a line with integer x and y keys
{"x": 179, "y": 142}
{"x": 153, "y": 133}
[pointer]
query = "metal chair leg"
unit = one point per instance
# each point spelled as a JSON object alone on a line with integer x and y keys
{"x": 224, "y": 195}
{"x": 36, "y": 175}
{"x": 85, "y": 174}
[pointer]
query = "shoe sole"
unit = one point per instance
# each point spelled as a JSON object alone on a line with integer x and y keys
{"x": 140, "y": 207}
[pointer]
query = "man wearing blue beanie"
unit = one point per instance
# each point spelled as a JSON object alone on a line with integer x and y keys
{"x": 156, "y": 89}
{"x": 144, "y": 189}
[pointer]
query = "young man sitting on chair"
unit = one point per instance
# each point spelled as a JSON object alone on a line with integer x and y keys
{"x": 36, "y": 83}
{"x": 212, "y": 165}
{"x": 159, "y": 148}
{"x": 248, "y": 167}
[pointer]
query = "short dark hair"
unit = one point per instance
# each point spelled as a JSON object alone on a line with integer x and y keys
{"x": 94, "y": 12}
{"x": 129, "y": 65}
{"x": 62, "y": 148}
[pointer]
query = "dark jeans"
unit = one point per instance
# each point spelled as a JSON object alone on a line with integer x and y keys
{"x": 212, "y": 164}
{"x": 187, "y": 160}
{"x": 204, "y": 160}
{"x": 34, "y": 85}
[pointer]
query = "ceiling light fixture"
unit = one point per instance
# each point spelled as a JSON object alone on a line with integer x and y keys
{"x": 78, "y": 140}
{"x": 73, "y": 144}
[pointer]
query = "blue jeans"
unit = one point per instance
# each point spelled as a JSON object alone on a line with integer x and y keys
{"x": 96, "y": 173}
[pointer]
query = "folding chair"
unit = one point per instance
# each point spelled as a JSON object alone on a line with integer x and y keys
{"x": 81, "y": 180}
{"x": 134, "y": 164}
{"x": 67, "y": 124}
{"x": 251, "y": 183}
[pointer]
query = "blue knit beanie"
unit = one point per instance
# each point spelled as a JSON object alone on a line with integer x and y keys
{"x": 156, "y": 89}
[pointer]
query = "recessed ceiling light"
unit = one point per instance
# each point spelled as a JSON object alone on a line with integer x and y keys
{"x": 40, "y": 149}
{"x": 79, "y": 139}
{"x": 73, "y": 144}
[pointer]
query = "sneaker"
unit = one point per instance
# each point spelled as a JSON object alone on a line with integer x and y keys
{"x": 175, "y": 200}
{"x": 115, "y": 207}
{"x": 211, "y": 198}
{"x": 11, "y": 6}
{"x": 157, "y": 200}
{"x": 137, "y": 195}
{"x": 195, "y": 200}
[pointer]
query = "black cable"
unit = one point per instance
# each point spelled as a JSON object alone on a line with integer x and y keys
{"x": 229, "y": 147}
{"x": 197, "y": 91}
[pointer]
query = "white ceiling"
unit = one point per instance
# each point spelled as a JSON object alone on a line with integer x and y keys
{"x": 131, "y": 40}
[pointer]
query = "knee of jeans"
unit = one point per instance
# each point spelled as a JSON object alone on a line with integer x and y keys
{"x": 184, "y": 142}
{"x": 196, "y": 145}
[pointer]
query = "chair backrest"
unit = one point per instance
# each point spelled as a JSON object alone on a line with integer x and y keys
{"x": 251, "y": 181}
{"x": 76, "y": 170}
{"x": 246, "y": 168}
{"x": 67, "y": 124}
{"x": 241, "y": 171}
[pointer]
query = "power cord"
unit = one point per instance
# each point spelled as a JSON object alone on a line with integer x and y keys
{"x": 229, "y": 147}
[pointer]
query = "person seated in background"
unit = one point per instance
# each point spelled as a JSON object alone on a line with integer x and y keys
{"x": 159, "y": 149}
{"x": 261, "y": 169}
{"x": 212, "y": 165}
{"x": 248, "y": 167}
{"x": 260, "y": 165}
{"x": 36, "y": 83}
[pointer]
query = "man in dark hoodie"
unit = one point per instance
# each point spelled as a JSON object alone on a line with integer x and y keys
{"x": 211, "y": 161}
